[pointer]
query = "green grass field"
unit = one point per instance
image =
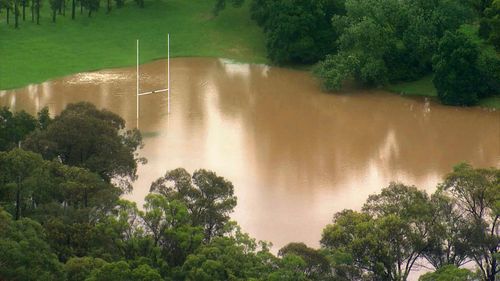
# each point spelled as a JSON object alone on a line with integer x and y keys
{"x": 35, "y": 54}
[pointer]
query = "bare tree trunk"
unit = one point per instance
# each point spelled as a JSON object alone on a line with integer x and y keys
{"x": 32, "y": 10}
{"x": 8, "y": 15}
{"x": 37, "y": 11}
{"x": 16, "y": 14}
{"x": 54, "y": 11}
{"x": 24, "y": 10}
{"x": 73, "y": 9}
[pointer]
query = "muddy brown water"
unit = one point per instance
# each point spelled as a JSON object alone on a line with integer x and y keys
{"x": 296, "y": 155}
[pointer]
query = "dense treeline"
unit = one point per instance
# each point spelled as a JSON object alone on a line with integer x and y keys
{"x": 376, "y": 42}
{"x": 62, "y": 218}
{"x": 17, "y": 8}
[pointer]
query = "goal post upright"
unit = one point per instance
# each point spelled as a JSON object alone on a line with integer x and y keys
{"x": 138, "y": 94}
{"x": 168, "y": 72}
{"x": 137, "y": 88}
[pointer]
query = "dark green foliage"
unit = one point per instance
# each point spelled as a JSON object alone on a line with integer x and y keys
{"x": 78, "y": 269}
{"x": 221, "y": 4}
{"x": 91, "y": 6}
{"x": 489, "y": 67}
{"x": 24, "y": 253}
{"x": 93, "y": 139}
{"x": 20, "y": 173}
{"x": 169, "y": 224}
{"x": 14, "y": 127}
{"x": 297, "y": 31}
{"x": 7, "y": 5}
{"x": 55, "y": 5}
{"x": 120, "y": 3}
{"x": 66, "y": 200}
{"x": 121, "y": 271}
{"x": 317, "y": 266}
{"x": 209, "y": 198}
{"x": 384, "y": 41}
{"x": 236, "y": 257}
{"x": 489, "y": 25}
{"x": 457, "y": 79}
{"x": 290, "y": 268}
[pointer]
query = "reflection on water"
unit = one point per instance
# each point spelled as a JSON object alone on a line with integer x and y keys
{"x": 295, "y": 155}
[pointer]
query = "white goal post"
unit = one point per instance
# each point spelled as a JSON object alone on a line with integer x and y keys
{"x": 139, "y": 94}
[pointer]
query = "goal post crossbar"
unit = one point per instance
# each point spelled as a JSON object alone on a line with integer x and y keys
{"x": 139, "y": 94}
{"x": 153, "y": 92}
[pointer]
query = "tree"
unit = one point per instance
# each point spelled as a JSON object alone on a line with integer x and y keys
{"x": 16, "y": 13}
{"x": 317, "y": 266}
{"x": 78, "y": 269}
{"x": 368, "y": 43}
{"x": 291, "y": 268}
{"x": 169, "y": 224}
{"x": 381, "y": 41}
{"x": 24, "y": 3}
{"x": 351, "y": 236}
{"x": 66, "y": 200}
{"x": 32, "y": 10}
{"x": 93, "y": 139}
{"x": 490, "y": 23}
{"x": 448, "y": 234}
{"x": 7, "y": 5}
{"x": 221, "y": 5}
{"x": 236, "y": 257}
{"x": 18, "y": 170}
{"x": 297, "y": 31}
{"x": 37, "y": 6}
{"x": 114, "y": 235}
{"x": 406, "y": 219}
{"x": 386, "y": 240}
{"x": 24, "y": 255}
{"x": 209, "y": 198}
{"x": 120, "y": 3}
{"x": 91, "y": 5}
{"x": 122, "y": 271}
{"x": 73, "y": 9}
{"x": 477, "y": 198}
{"x": 449, "y": 273}
{"x": 457, "y": 78}
{"x": 55, "y": 5}
{"x": 14, "y": 127}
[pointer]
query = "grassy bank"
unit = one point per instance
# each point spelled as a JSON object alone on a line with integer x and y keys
{"x": 35, "y": 54}
{"x": 424, "y": 87}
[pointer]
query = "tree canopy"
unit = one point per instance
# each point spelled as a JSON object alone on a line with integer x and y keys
{"x": 94, "y": 139}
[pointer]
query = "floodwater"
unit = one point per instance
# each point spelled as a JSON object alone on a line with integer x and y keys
{"x": 296, "y": 155}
